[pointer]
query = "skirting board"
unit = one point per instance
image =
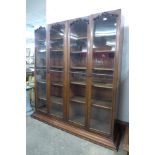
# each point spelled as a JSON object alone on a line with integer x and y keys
{"x": 95, "y": 138}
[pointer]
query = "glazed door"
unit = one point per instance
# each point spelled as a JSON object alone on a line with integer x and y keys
{"x": 103, "y": 62}
{"x": 40, "y": 70}
{"x": 77, "y": 71}
{"x": 57, "y": 69}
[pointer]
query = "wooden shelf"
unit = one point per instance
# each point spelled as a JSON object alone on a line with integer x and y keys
{"x": 56, "y": 50}
{"x": 103, "y": 69}
{"x": 57, "y": 67}
{"x": 78, "y": 52}
{"x": 79, "y": 38}
{"x": 52, "y": 70}
{"x": 40, "y": 67}
{"x": 42, "y": 98}
{"x": 77, "y": 72}
{"x": 57, "y": 38}
{"x": 80, "y": 68}
{"x": 42, "y": 81}
{"x": 79, "y": 83}
{"x": 41, "y": 51}
{"x": 102, "y": 51}
{"x": 100, "y": 74}
{"x": 41, "y": 40}
{"x": 57, "y": 100}
{"x": 100, "y": 85}
{"x": 57, "y": 84}
{"x": 78, "y": 99}
{"x": 106, "y": 36}
{"x": 102, "y": 104}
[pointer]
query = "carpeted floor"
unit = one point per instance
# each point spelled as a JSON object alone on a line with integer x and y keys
{"x": 42, "y": 139}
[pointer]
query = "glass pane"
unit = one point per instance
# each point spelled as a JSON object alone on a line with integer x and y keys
{"x": 77, "y": 101}
{"x": 42, "y": 105}
{"x": 41, "y": 100}
{"x": 56, "y": 60}
{"x": 40, "y": 43}
{"x": 78, "y": 77}
{"x": 104, "y": 46}
{"x": 77, "y": 71}
{"x": 102, "y": 97}
{"x": 56, "y": 100}
{"x": 76, "y": 114}
{"x": 103, "y": 60}
{"x": 57, "y": 78}
{"x": 41, "y": 75}
{"x": 57, "y": 31}
{"x": 101, "y": 120}
{"x": 102, "y": 78}
{"x": 57, "y": 109}
{"x": 56, "y": 68}
{"x": 105, "y": 32}
{"x": 41, "y": 58}
{"x": 41, "y": 89}
{"x": 40, "y": 34}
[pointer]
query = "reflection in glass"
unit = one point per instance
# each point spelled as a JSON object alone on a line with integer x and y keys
{"x": 101, "y": 120}
{"x": 76, "y": 113}
{"x": 102, "y": 77}
{"x": 41, "y": 75}
{"x": 56, "y": 59}
{"x": 78, "y": 68}
{"x": 56, "y": 68}
{"x": 103, "y": 60}
{"x": 41, "y": 89}
{"x": 57, "y": 78}
{"x": 78, "y": 76}
{"x": 57, "y": 100}
{"x": 57, "y": 31}
{"x": 42, "y": 105}
{"x": 77, "y": 101}
{"x": 41, "y": 59}
{"x": 105, "y": 32}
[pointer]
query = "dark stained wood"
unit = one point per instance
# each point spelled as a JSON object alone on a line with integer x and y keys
{"x": 48, "y": 76}
{"x": 35, "y": 75}
{"x": 89, "y": 70}
{"x": 68, "y": 69}
{"x": 116, "y": 66}
{"x": 111, "y": 139}
{"x": 95, "y": 138}
{"x": 65, "y": 82}
{"x": 126, "y": 139}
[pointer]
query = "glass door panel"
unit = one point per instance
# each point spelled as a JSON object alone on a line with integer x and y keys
{"x": 102, "y": 97}
{"x": 57, "y": 69}
{"x": 105, "y": 33}
{"x": 57, "y": 101}
{"x": 104, "y": 47}
{"x": 78, "y": 69}
{"x": 77, "y": 101}
{"x": 100, "y": 120}
{"x": 40, "y": 68}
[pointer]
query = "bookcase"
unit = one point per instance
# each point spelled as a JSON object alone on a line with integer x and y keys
{"x": 77, "y": 76}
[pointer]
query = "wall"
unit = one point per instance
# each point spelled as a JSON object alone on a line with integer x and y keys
{"x": 63, "y": 10}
